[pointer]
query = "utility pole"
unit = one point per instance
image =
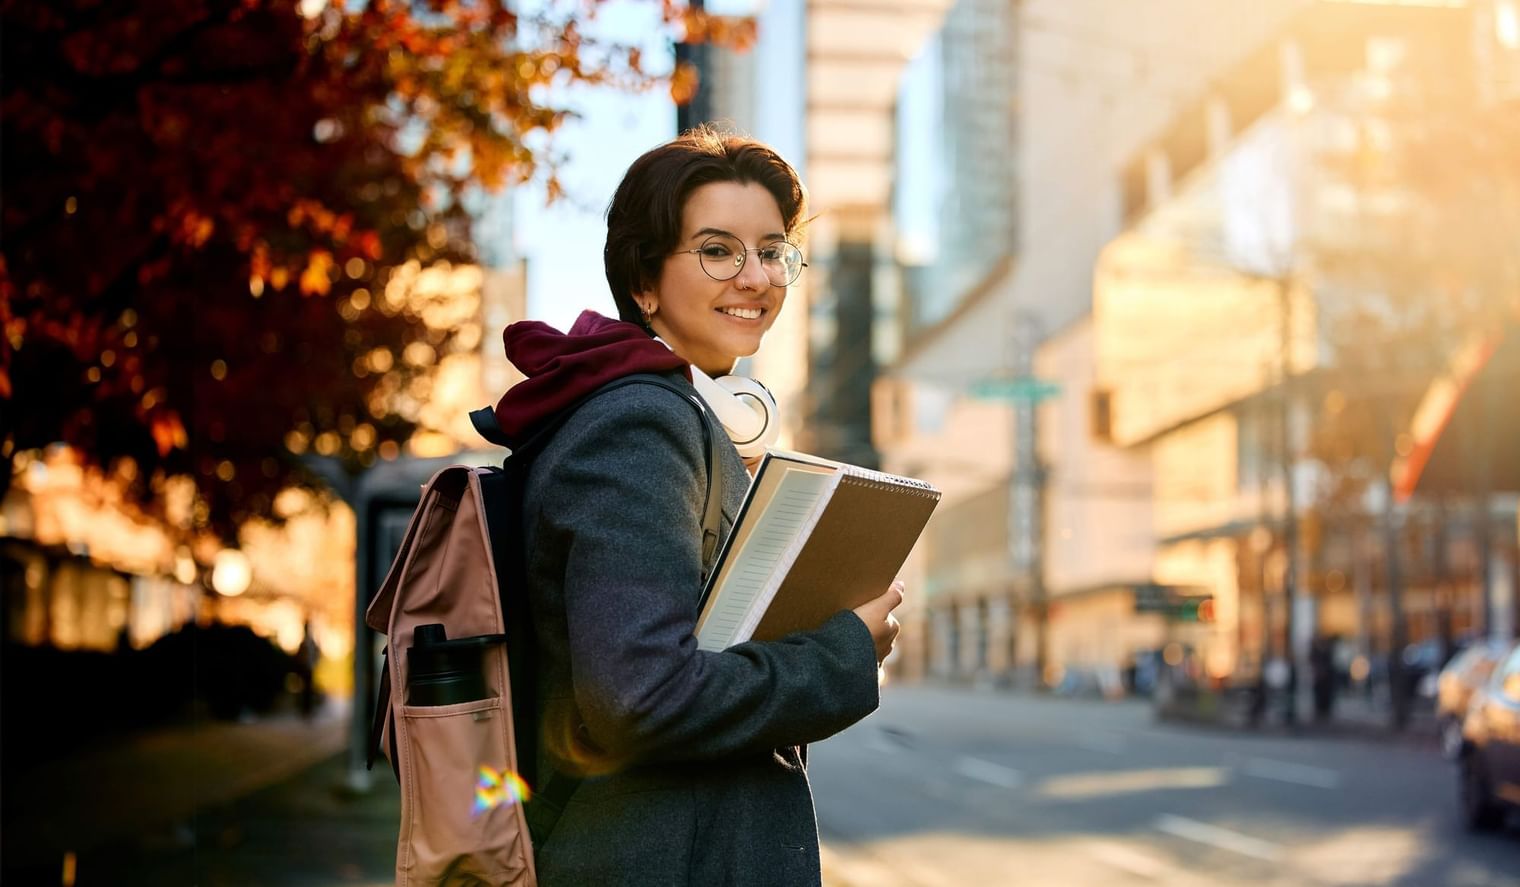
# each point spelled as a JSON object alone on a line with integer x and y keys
{"x": 1026, "y": 501}
{"x": 1290, "y": 503}
{"x": 1399, "y": 636}
{"x": 1483, "y": 493}
{"x": 1026, "y": 484}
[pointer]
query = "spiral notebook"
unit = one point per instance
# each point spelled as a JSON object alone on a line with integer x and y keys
{"x": 814, "y": 537}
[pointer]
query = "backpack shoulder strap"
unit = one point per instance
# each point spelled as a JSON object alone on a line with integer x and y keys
{"x": 484, "y": 420}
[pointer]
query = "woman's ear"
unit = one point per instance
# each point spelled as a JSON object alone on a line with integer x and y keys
{"x": 649, "y": 305}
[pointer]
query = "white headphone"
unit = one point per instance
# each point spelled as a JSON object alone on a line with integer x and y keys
{"x": 744, "y": 407}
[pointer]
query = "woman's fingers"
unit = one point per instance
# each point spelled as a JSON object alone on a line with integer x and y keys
{"x": 877, "y": 615}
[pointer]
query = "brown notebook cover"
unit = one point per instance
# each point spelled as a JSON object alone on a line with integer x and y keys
{"x": 856, "y": 549}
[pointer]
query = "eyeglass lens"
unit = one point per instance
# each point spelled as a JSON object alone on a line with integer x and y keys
{"x": 723, "y": 257}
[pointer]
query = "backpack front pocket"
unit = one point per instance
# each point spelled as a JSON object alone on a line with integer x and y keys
{"x": 462, "y": 822}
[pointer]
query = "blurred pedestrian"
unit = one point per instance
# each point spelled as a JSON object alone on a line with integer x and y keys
{"x": 306, "y": 665}
{"x": 1322, "y": 675}
{"x": 692, "y": 762}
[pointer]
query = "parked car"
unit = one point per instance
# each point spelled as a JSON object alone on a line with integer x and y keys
{"x": 1466, "y": 672}
{"x": 1489, "y": 763}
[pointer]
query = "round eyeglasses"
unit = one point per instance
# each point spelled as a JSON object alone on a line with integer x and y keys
{"x": 723, "y": 258}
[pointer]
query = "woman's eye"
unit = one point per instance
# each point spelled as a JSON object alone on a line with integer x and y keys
{"x": 770, "y": 254}
{"x": 716, "y": 251}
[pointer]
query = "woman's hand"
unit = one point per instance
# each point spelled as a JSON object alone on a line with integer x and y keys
{"x": 877, "y": 615}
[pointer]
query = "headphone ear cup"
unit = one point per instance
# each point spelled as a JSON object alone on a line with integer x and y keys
{"x": 745, "y": 408}
{"x": 757, "y": 399}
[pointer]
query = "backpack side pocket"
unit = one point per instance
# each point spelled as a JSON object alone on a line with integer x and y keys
{"x": 447, "y": 806}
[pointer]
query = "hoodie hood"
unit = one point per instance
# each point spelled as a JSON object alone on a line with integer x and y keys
{"x": 562, "y": 368}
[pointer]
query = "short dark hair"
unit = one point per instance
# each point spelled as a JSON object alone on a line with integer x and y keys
{"x": 644, "y": 217}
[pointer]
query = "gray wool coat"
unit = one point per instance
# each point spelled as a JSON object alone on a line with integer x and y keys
{"x": 703, "y": 778}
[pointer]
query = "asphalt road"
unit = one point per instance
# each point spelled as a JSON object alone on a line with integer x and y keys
{"x": 963, "y": 787}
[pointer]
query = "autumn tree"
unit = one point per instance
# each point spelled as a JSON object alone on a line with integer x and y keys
{"x": 204, "y": 202}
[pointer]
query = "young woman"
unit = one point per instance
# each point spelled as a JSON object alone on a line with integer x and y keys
{"x": 693, "y": 763}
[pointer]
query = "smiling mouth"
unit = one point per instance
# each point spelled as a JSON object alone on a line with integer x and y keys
{"x": 743, "y": 313}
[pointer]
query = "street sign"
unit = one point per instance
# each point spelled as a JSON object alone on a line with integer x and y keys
{"x": 1175, "y": 603}
{"x": 1152, "y": 598}
{"x": 1026, "y": 388}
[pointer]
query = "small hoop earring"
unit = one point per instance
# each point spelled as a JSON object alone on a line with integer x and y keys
{"x": 648, "y": 315}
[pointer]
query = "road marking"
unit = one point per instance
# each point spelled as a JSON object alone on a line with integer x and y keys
{"x": 1130, "y": 860}
{"x": 1107, "y": 743}
{"x": 1214, "y": 836}
{"x": 1077, "y": 786}
{"x": 988, "y": 772}
{"x": 1298, "y": 774}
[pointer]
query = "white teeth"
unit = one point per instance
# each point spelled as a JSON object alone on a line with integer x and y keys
{"x": 746, "y": 313}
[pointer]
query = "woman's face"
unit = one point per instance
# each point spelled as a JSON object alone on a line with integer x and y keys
{"x": 713, "y": 323}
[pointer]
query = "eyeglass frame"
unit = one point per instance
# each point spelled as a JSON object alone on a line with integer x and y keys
{"x": 739, "y": 268}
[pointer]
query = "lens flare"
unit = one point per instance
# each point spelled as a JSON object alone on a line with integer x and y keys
{"x": 499, "y": 788}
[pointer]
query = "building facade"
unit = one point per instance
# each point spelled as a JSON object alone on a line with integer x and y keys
{"x": 1005, "y": 361}
{"x": 1236, "y": 318}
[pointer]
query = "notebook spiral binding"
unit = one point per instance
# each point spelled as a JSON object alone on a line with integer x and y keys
{"x": 880, "y": 480}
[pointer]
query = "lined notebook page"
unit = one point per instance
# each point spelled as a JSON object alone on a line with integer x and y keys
{"x": 753, "y": 575}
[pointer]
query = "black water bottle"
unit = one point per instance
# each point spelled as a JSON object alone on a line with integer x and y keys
{"x": 444, "y": 672}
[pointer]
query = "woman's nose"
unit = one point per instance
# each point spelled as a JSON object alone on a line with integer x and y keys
{"x": 752, "y": 275}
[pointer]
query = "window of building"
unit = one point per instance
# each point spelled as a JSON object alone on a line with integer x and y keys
{"x": 1101, "y": 415}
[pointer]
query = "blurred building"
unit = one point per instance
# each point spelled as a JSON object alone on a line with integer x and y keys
{"x": 84, "y": 570}
{"x": 78, "y": 571}
{"x": 820, "y": 86}
{"x": 991, "y": 393}
{"x": 954, "y": 198}
{"x": 727, "y": 89}
{"x": 1236, "y": 293}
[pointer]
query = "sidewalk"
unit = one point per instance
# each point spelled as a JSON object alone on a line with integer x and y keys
{"x": 1353, "y": 716}
{"x": 1358, "y": 714}
{"x": 208, "y": 804}
{"x": 302, "y": 832}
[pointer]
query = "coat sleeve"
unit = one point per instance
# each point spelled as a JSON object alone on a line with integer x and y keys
{"x": 624, "y": 500}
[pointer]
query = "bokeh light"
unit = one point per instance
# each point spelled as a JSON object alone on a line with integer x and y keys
{"x": 231, "y": 572}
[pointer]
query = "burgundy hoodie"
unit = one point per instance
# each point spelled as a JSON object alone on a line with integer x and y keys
{"x": 562, "y": 368}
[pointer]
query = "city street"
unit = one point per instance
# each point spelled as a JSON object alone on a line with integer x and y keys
{"x": 954, "y": 786}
